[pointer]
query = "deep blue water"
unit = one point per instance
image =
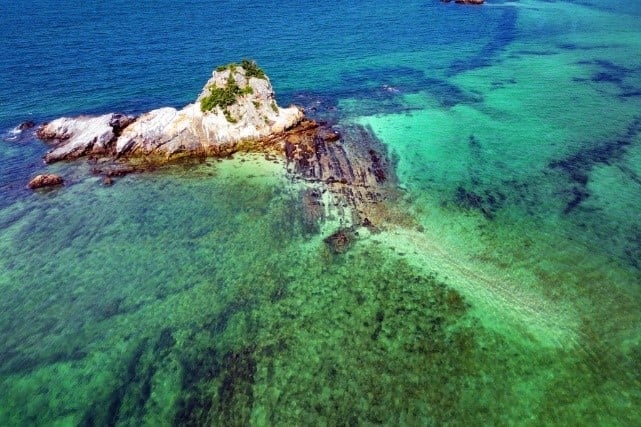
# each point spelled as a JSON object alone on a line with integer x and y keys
{"x": 69, "y": 57}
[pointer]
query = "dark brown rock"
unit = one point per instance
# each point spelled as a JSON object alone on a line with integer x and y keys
{"x": 120, "y": 121}
{"x": 329, "y": 135}
{"x": 45, "y": 180}
{"x": 313, "y": 210}
{"x": 356, "y": 172}
{"x": 471, "y": 2}
{"x": 26, "y": 125}
{"x": 110, "y": 170}
{"x": 340, "y": 241}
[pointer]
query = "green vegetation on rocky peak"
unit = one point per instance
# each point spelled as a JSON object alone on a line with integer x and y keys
{"x": 249, "y": 65}
{"x": 224, "y": 97}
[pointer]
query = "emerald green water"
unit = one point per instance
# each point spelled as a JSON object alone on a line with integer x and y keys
{"x": 505, "y": 292}
{"x": 154, "y": 302}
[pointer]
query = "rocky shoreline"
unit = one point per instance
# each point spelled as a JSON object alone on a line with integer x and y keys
{"x": 346, "y": 175}
{"x": 201, "y": 128}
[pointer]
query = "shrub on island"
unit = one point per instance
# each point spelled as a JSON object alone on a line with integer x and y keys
{"x": 224, "y": 97}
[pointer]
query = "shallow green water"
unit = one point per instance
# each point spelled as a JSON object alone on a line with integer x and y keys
{"x": 194, "y": 296}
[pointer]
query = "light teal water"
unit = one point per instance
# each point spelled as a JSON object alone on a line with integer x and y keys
{"x": 505, "y": 292}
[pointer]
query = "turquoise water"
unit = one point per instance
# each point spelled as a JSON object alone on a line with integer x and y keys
{"x": 504, "y": 288}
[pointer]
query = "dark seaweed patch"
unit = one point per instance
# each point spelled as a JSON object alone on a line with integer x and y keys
{"x": 587, "y": 46}
{"x": 604, "y": 77}
{"x": 235, "y": 370}
{"x": 216, "y": 386}
{"x": 380, "y": 317}
{"x": 536, "y": 52}
{"x": 13, "y": 361}
{"x": 631, "y": 93}
{"x": 107, "y": 412}
{"x": 507, "y": 34}
{"x": 165, "y": 342}
{"x": 633, "y": 249}
{"x": 197, "y": 371}
{"x": 473, "y": 196}
{"x": 378, "y": 91}
{"x": 487, "y": 202}
{"x": 127, "y": 400}
{"x": 279, "y": 292}
{"x": 218, "y": 322}
{"x": 609, "y": 72}
{"x": 579, "y": 194}
{"x": 340, "y": 241}
{"x": 612, "y": 67}
{"x": 579, "y": 165}
{"x": 236, "y": 395}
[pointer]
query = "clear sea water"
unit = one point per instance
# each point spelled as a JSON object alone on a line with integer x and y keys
{"x": 509, "y": 294}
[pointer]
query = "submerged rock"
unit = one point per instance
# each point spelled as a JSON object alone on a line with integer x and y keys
{"x": 340, "y": 241}
{"x": 236, "y": 105}
{"x": 45, "y": 180}
{"x": 26, "y": 125}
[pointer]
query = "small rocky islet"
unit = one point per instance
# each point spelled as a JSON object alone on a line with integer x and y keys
{"x": 237, "y": 105}
{"x": 346, "y": 174}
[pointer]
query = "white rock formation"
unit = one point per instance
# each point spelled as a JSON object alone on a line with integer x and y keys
{"x": 168, "y": 132}
{"x": 76, "y": 137}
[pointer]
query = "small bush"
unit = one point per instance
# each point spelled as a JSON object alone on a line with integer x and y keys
{"x": 274, "y": 107}
{"x": 229, "y": 117}
{"x": 252, "y": 69}
{"x": 226, "y": 96}
{"x": 222, "y": 97}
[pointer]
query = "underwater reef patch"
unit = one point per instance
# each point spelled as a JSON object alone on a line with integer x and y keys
{"x": 487, "y": 55}
{"x": 577, "y": 166}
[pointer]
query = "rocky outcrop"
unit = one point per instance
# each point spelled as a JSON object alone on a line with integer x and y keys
{"x": 84, "y": 135}
{"x": 348, "y": 175}
{"x": 199, "y": 128}
{"x": 46, "y": 180}
{"x": 345, "y": 175}
{"x": 26, "y": 125}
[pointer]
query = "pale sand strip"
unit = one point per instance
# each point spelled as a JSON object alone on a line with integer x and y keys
{"x": 499, "y": 301}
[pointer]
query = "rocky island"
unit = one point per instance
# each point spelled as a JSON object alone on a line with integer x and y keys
{"x": 236, "y": 105}
{"x": 346, "y": 175}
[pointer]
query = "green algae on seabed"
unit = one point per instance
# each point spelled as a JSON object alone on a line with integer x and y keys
{"x": 91, "y": 274}
{"x": 528, "y": 203}
{"x": 194, "y": 297}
